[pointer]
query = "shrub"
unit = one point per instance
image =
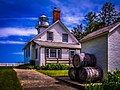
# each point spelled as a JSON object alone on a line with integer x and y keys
{"x": 32, "y": 62}
{"x": 37, "y": 67}
{"x": 112, "y": 82}
{"x": 8, "y": 79}
{"x": 25, "y": 66}
{"x": 55, "y": 67}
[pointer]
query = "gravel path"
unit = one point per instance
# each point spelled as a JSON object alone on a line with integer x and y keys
{"x": 33, "y": 80}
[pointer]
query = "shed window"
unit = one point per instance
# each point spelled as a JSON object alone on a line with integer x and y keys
{"x": 65, "y": 37}
{"x": 27, "y": 51}
{"x": 36, "y": 53}
{"x": 49, "y": 35}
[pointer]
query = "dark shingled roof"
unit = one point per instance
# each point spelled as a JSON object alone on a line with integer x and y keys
{"x": 56, "y": 44}
{"x": 99, "y": 32}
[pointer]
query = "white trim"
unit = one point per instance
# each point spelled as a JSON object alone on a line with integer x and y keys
{"x": 56, "y": 53}
{"x": 114, "y": 27}
{"x": 56, "y": 50}
{"x": 42, "y": 33}
{"x": 69, "y": 33}
{"x": 49, "y": 52}
{"x": 64, "y": 27}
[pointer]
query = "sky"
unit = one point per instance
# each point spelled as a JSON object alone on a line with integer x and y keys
{"x": 18, "y": 19}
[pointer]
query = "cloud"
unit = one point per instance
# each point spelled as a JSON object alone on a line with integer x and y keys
{"x": 73, "y": 11}
{"x": 76, "y": 7}
{"x": 30, "y": 18}
{"x": 72, "y": 20}
{"x": 18, "y": 53}
{"x": 117, "y": 8}
{"x": 70, "y": 13}
{"x": 18, "y": 22}
{"x": 21, "y": 39}
{"x": 11, "y": 42}
{"x": 5, "y": 32}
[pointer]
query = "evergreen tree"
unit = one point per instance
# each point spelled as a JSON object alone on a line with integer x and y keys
{"x": 78, "y": 32}
{"x": 108, "y": 15}
{"x": 91, "y": 20}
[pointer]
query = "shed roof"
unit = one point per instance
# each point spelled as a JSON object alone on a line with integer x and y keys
{"x": 100, "y": 32}
{"x": 56, "y": 44}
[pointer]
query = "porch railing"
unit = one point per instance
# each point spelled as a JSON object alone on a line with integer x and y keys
{"x": 57, "y": 60}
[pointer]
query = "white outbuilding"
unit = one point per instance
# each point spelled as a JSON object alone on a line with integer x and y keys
{"x": 105, "y": 45}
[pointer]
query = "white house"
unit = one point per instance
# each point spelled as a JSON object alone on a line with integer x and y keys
{"x": 53, "y": 44}
{"x": 105, "y": 45}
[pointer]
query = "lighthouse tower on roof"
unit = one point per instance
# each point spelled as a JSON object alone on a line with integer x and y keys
{"x": 42, "y": 23}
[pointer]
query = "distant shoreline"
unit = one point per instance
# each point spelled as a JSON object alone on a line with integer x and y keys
{"x": 10, "y": 64}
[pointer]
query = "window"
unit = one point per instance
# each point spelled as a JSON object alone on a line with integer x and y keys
{"x": 27, "y": 51}
{"x": 72, "y": 53}
{"x": 49, "y": 35}
{"x": 65, "y": 37}
{"x": 47, "y": 52}
{"x": 36, "y": 53}
{"x": 53, "y": 53}
{"x": 59, "y": 53}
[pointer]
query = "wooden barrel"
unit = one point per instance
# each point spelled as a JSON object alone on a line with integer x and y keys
{"x": 83, "y": 60}
{"x": 92, "y": 74}
{"x": 73, "y": 73}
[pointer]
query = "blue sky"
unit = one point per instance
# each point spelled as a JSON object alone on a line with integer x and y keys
{"x": 18, "y": 19}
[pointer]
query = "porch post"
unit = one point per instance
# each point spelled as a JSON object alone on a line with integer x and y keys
{"x": 69, "y": 61}
{"x": 57, "y": 60}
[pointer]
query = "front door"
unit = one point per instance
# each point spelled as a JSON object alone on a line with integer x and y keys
{"x": 71, "y": 54}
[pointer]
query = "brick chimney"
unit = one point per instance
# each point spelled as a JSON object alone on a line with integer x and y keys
{"x": 56, "y": 15}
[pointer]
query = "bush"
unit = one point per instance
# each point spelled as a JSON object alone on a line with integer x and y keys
{"x": 32, "y": 62}
{"x": 55, "y": 67}
{"x": 25, "y": 66}
{"x": 37, "y": 67}
{"x": 8, "y": 79}
{"x": 112, "y": 82}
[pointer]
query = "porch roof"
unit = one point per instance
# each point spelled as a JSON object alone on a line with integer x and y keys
{"x": 57, "y": 44}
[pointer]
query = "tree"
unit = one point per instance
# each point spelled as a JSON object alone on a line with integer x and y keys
{"x": 78, "y": 32}
{"x": 91, "y": 20}
{"x": 108, "y": 15}
{"x": 118, "y": 17}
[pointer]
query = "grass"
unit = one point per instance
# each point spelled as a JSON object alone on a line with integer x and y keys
{"x": 55, "y": 73}
{"x": 8, "y": 79}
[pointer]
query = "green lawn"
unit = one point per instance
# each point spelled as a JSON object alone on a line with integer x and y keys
{"x": 55, "y": 73}
{"x": 8, "y": 79}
